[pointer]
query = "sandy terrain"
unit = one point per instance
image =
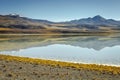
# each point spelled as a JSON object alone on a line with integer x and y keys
{"x": 24, "y": 70}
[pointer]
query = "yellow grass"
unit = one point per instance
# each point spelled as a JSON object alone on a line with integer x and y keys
{"x": 101, "y": 68}
{"x": 4, "y": 29}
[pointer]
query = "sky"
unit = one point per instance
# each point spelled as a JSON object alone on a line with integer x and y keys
{"x": 61, "y": 10}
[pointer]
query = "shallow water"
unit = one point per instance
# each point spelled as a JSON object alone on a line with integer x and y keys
{"x": 81, "y": 49}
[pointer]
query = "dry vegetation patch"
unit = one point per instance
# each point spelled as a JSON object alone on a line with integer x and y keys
{"x": 101, "y": 68}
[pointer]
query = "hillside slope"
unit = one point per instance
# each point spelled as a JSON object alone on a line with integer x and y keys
{"x": 16, "y": 24}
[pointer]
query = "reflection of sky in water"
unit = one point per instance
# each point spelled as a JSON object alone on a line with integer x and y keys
{"x": 108, "y": 55}
{"x": 82, "y": 49}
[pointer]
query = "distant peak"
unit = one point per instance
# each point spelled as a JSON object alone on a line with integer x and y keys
{"x": 98, "y": 17}
{"x": 13, "y": 15}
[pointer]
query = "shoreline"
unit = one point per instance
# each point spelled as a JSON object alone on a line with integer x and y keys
{"x": 23, "y": 68}
{"x": 61, "y": 63}
{"x": 84, "y": 63}
{"x": 64, "y": 61}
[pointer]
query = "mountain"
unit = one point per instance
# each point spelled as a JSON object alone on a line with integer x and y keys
{"x": 8, "y": 20}
{"x": 96, "y": 20}
{"x": 14, "y": 23}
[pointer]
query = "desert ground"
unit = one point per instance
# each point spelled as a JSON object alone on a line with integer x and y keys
{"x": 18, "y": 68}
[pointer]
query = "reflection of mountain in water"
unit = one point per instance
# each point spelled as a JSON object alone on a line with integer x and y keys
{"x": 22, "y": 42}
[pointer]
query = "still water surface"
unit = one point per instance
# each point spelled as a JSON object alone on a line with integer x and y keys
{"x": 80, "y": 49}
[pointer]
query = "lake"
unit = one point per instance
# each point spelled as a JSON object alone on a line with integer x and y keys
{"x": 78, "y": 49}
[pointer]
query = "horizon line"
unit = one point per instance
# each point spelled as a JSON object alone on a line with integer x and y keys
{"x": 15, "y": 14}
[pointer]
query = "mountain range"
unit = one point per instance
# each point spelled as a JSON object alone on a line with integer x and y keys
{"x": 16, "y": 24}
{"x": 96, "y": 20}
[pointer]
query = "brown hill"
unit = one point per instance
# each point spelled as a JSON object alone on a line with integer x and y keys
{"x": 16, "y": 24}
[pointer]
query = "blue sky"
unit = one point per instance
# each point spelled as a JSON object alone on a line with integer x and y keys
{"x": 61, "y": 10}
